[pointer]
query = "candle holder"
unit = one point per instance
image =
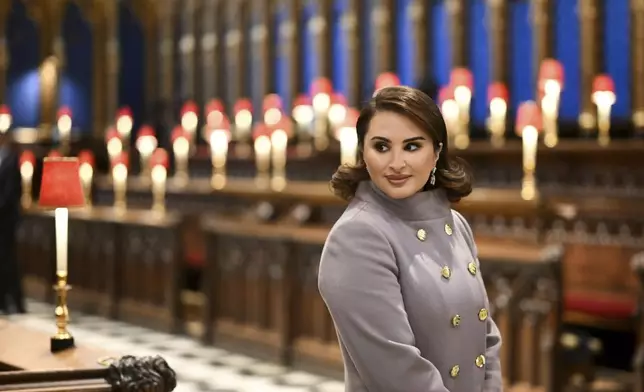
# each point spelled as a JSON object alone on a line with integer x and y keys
{"x": 119, "y": 181}
{"x": 124, "y": 123}
{"x": 303, "y": 116}
{"x": 27, "y": 163}
{"x": 321, "y": 90}
{"x": 61, "y": 189}
{"x": 279, "y": 143}
{"x": 551, "y": 80}
{"x": 528, "y": 125}
{"x": 63, "y": 339}
{"x": 190, "y": 121}
{"x": 243, "y": 119}
{"x": 86, "y": 174}
{"x": 64, "y": 126}
{"x": 146, "y": 143}
{"x": 219, "y": 140}
{"x": 604, "y": 97}
{"x": 498, "y": 98}
{"x": 159, "y": 174}
{"x": 262, "y": 146}
{"x": 181, "y": 149}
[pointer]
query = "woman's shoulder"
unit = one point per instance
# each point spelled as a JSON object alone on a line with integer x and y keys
{"x": 359, "y": 218}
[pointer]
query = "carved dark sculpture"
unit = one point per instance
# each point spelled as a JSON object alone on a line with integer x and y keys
{"x": 142, "y": 374}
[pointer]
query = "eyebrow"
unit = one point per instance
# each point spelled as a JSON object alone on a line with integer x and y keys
{"x": 411, "y": 139}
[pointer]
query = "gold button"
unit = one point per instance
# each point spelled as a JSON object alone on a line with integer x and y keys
{"x": 480, "y": 361}
{"x": 448, "y": 229}
{"x": 446, "y": 272}
{"x": 483, "y": 314}
{"x": 454, "y": 371}
{"x": 456, "y": 320}
{"x": 421, "y": 234}
{"x": 472, "y": 268}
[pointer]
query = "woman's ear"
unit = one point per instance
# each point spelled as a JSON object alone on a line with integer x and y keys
{"x": 438, "y": 152}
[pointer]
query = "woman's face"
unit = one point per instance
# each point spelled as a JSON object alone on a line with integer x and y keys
{"x": 398, "y": 154}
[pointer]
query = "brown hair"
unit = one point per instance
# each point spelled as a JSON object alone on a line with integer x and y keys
{"x": 452, "y": 173}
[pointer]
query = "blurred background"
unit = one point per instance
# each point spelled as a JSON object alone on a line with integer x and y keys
{"x": 207, "y": 131}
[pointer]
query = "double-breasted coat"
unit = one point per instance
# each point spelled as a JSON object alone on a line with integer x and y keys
{"x": 401, "y": 280}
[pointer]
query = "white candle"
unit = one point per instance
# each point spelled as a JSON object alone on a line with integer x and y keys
{"x": 530, "y": 136}
{"x": 61, "y": 217}
{"x": 348, "y": 145}
{"x": 218, "y": 148}
{"x": 262, "y": 153}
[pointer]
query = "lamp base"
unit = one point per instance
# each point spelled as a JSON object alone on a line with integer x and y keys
{"x": 61, "y": 343}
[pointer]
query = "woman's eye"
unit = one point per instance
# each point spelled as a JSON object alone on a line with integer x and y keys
{"x": 412, "y": 147}
{"x": 381, "y": 147}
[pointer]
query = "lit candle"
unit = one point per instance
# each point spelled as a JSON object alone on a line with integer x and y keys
{"x": 321, "y": 90}
{"x": 180, "y": 149}
{"x": 119, "y": 180}
{"x": 86, "y": 173}
{"x": 498, "y": 98}
{"x": 219, "y": 140}
{"x": 551, "y": 78}
{"x": 5, "y": 118}
{"x": 462, "y": 81}
{"x": 146, "y": 143}
{"x": 159, "y": 162}
{"x": 450, "y": 111}
{"x": 604, "y": 97}
{"x": 262, "y": 147}
{"x": 528, "y": 125}
{"x": 27, "y": 163}
{"x": 190, "y": 119}
{"x": 303, "y": 116}
{"x": 124, "y": 123}
{"x": 348, "y": 138}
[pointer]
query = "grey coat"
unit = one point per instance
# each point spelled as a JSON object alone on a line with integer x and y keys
{"x": 401, "y": 280}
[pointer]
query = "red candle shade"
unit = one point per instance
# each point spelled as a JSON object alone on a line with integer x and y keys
{"x": 160, "y": 158}
{"x": 224, "y": 125}
{"x": 111, "y": 133}
{"x": 54, "y": 154}
{"x": 261, "y": 129}
{"x": 285, "y": 125}
{"x": 145, "y": 131}
{"x": 189, "y": 107}
{"x": 446, "y": 93}
{"x": 497, "y": 90}
{"x": 461, "y": 76}
{"x": 321, "y": 86}
{"x": 550, "y": 70}
{"x": 214, "y": 105}
{"x": 125, "y": 111}
{"x": 86, "y": 157}
{"x": 4, "y": 109}
{"x": 302, "y": 100}
{"x": 603, "y": 83}
{"x": 121, "y": 159}
{"x": 243, "y": 104}
{"x": 60, "y": 185}
{"x": 528, "y": 114}
{"x": 178, "y": 132}
{"x": 27, "y": 157}
{"x": 64, "y": 111}
{"x": 387, "y": 79}
{"x": 272, "y": 101}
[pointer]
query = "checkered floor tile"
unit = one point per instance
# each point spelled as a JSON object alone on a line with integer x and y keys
{"x": 199, "y": 368}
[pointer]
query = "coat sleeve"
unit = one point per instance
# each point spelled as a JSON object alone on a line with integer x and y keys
{"x": 358, "y": 282}
{"x": 9, "y": 182}
{"x": 493, "y": 378}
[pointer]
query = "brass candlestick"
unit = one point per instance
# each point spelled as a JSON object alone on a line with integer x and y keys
{"x": 62, "y": 340}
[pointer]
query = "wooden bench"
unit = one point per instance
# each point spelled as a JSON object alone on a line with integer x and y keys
{"x": 26, "y": 364}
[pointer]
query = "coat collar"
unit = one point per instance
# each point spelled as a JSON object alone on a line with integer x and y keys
{"x": 425, "y": 205}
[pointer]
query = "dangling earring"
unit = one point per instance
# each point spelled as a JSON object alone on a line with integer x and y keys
{"x": 432, "y": 177}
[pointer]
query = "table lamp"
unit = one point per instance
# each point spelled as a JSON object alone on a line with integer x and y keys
{"x": 386, "y": 79}
{"x": 463, "y": 82}
{"x": 61, "y": 189}
{"x": 262, "y": 146}
{"x": 5, "y": 118}
{"x": 27, "y": 165}
{"x": 113, "y": 143}
{"x": 348, "y": 138}
{"x": 146, "y": 143}
{"x": 190, "y": 120}
{"x": 64, "y": 126}
{"x": 604, "y": 98}
{"x": 337, "y": 111}
{"x": 119, "y": 180}
{"x": 180, "y": 148}
{"x": 303, "y": 115}
{"x": 550, "y": 84}
{"x": 280, "y": 134}
{"x": 450, "y": 110}
{"x": 219, "y": 140}
{"x": 528, "y": 125}
{"x": 159, "y": 163}
{"x": 124, "y": 124}
{"x": 321, "y": 90}
{"x": 498, "y": 99}
{"x": 86, "y": 173}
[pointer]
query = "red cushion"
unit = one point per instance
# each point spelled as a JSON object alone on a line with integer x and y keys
{"x": 600, "y": 305}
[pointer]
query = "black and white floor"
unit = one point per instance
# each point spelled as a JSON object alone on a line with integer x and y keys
{"x": 199, "y": 368}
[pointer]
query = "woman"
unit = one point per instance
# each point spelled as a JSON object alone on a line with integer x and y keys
{"x": 399, "y": 271}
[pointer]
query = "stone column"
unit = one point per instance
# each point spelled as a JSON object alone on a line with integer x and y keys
{"x": 260, "y": 43}
{"x": 146, "y": 12}
{"x": 211, "y": 50}
{"x": 417, "y": 15}
{"x": 637, "y": 64}
{"x": 351, "y": 37}
{"x": 382, "y": 33}
{"x": 590, "y": 25}
{"x": 187, "y": 49}
{"x": 165, "y": 55}
{"x": 113, "y": 63}
{"x": 458, "y": 22}
{"x": 498, "y": 28}
{"x": 235, "y": 57}
{"x": 542, "y": 29}
{"x": 289, "y": 47}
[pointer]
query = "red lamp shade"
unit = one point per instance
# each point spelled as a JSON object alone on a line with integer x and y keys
{"x": 54, "y": 154}
{"x": 528, "y": 114}
{"x": 550, "y": 69}
{"x": 261, "y": 129}
{"x": 387, "y": 79}
{"x": 243, "y": 104}
{"x": 603, "y": 82}
{"x": 27, "y": 157}
{"x": 497, "y": 90}
{"x": 189, "y": 107}
{"x": 86, "y": 157}
{"x": 462, "y": 77}
{"x": 177, "y": 133}
{"x": 160, "y": 158}
{"x": 446, "y": 93}
{"x": 111, "y": 133}
{"x": 272, "y": 101}
{"x": 302, "y": 100}
{"x": 121, "y": 159}
{"x": 4, "y": 109}
{"x": 124, "y": 112}
{"x": 321, "y": 86}
{"x": 61, "y": 185}
{"x": 145, "y": 131}
{"x": 64, "y": 111}
{"x": 214, "y": 105}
